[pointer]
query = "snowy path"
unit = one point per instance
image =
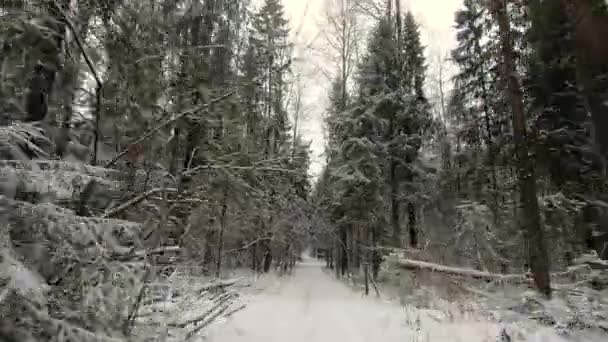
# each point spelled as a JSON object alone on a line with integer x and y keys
{"x": 311, "y": 306}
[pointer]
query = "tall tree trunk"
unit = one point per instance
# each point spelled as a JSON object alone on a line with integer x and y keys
{"x": 269, "y": 99}
{"x": 67, "y": 86}
{"x": 530, "y": 218}
{"x": 174, "y": 150}
{"x": 69, "y": 80}
{"x": 357, "y": 255}
{"x": 412, "y": 228}
{"x": 351, "y": 250}
{"x": 395, "y": 210}
{"x": 394, "y": 195}
{"x": 398, "y": 20}
{"x": 39, "y": 91}
{"x": 97, "y": 125}
{"x": 376, "y": 257}
{"x": 193, "y": 141}
{"x": 267, "y": 258}
{"x": 254, "y": 257}
{"x": 202, "y": 27}
{"x": 458, "y": 168}
{"x": 336, "y": 251}
{"x": 344, "y": 250}
{"x": 366, "y": 273}
{"x": 208, "y": 252}
{"x": 220, "y": 239}
{"x": 45, "y": 71}
{"x": 4, "y": 49}
{"x": 489, "y": 136}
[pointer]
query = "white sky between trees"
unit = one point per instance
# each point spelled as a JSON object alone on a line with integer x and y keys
{"x": 436, "y": 18}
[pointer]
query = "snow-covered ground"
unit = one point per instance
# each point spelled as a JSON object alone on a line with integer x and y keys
{"x": 312, "y": 306}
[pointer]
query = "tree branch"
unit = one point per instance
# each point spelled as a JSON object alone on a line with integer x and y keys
{"x": 248, "y": 245}
{"x": 79, "y": 43}
{"x": 98, "y": 81}
{"x": 164, "y": 124}
{"x": 137, "y": 199}
{"x": 178, "y": 116}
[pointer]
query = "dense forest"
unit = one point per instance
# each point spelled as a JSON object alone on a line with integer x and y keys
{"x": 198, "y": 93}
{"x": 182, "y": 107}
{"x": 505, "y": 172}
{"x": 143, "y": 138}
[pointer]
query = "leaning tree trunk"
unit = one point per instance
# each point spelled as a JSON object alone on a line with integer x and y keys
{"x": 530, "y": 218}
{"x": 69, "y": 80}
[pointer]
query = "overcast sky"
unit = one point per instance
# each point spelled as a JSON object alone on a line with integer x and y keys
{"x": 436, "y": 18}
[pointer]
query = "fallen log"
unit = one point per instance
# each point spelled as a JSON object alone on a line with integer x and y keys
{"x": 592, "y": 261}
{"x": 410, "y": 264}
{"x": 462, "y": 272}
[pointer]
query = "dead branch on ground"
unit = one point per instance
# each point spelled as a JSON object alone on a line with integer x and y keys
{"x": 219, "y": 305}
{"x": 217, "y": 285}
{"x": 208, "y": 321}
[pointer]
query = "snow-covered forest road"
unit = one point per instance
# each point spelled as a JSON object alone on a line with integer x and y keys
{"x": 312, "y": 306}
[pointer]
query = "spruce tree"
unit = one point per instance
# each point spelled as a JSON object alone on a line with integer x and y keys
{"x": 270, "y": 40}
{"x": 476, "y": 77}
{"x": 564, "y": 146}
